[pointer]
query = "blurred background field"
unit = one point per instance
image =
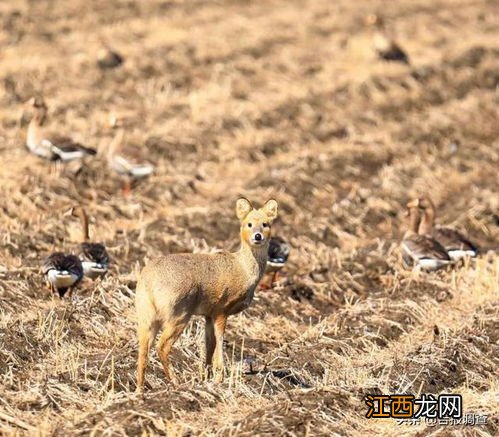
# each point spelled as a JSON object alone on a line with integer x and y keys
{"x": 255, "y": 98}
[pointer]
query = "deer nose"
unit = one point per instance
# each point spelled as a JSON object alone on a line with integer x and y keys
{"x": 258, "y": 236}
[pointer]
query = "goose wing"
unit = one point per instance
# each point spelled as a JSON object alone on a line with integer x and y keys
{"x": 66, "y": 149}
{"x": 63, "y": 263}
{"x": 452, "y": 239}
{"x": 394, "y": 53}
{"x": 421, "y": 247}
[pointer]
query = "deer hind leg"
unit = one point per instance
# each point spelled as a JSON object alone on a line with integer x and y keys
{"x": 218, "y": 356}
{"x": 146, "y": 333}
{"x": 171, "y": 332}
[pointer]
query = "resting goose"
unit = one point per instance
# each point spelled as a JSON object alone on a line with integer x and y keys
{"x": 456, "y": 244}
{"x": 127, "y": 161}
{"x": 108, "y": 58}
{"x": 51, "y": 146}
{"x": 278, "y": 254}
{"x": 421, "y": 250}
{"x": 94, "y": 257}
{"x": 388, "y": 50}
{"x": 62, "y": 272}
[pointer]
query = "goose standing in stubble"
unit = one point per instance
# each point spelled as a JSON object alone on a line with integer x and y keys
{"x": 94, "y": 257}
{"x": 51, "y": 145}
{"x": 422, "y": 251}
{"x": 278, "y": 254}
{"x": 127, "y": 161}
{"x": 62, "y": 272}
{"x": 455, "y": 243}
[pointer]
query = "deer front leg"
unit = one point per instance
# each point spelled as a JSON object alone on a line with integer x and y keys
{"x": 218, "y": 356}
{"x": 209, "y": 342}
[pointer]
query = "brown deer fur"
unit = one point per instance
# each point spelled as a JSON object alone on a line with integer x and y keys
{"x": 175, "y": 287}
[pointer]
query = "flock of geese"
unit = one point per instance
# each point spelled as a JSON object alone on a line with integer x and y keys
{"x": 64, "y": 271}
{"x": 424, "y": 245}
{"x": 123, "y": 159}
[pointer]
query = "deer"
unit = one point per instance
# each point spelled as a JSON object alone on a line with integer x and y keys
{"x": 173, "y": 288}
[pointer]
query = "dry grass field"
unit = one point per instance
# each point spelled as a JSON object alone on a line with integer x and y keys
{"x": 255, "y": 98}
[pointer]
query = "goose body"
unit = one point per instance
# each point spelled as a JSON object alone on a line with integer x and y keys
{"x": 127, "y": 161}
{"x": 93, "y": 256}
{"x": 51, "y": 146}
{"x": 62, "y": 272}
{"x": 278, "y": 254}
{"x": 108, "y": 59}
{"x": 422, "y": 250}
{"x": 385, "y": 45}
{"x": 94, "y": 259}
{"x": 125, "y": 164}
{"x": 455, "y": 243}
{"x": 388, "y": 50}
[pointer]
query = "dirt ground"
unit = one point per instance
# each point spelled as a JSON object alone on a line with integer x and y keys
{"x": 255, "y": 98}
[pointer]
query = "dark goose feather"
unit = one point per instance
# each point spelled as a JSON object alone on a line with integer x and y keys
{"x": 278, "y": 252}
{"x": 95, "y": 252}
{"x": 452, "y": 239}
{"x": 61, "y": 262}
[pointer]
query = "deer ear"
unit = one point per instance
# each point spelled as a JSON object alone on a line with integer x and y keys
{"x": 243, "y": 208}
{"x": 270, "y": 209}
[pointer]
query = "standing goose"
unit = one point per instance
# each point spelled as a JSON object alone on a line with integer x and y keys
{"x": 94, "y": 257}
{"x": 62, "y": 272}
{"x": 278, "y": 254}
{"x": 456, "y": 244}
{"x": 127, "y": 161}
{"x": 48, "y": 145}
{"x": 421, "y": 250}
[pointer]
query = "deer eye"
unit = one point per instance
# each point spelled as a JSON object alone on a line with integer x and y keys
{"x": 250, "y": 225}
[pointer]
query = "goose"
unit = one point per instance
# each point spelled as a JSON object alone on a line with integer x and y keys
{"x": 127, "y": 161}
{"x": 388, "y": 50}
{"x": 94, "y": 257}
{"x": 423, "y": 251}
{"x": 456, "y": 244}
{"x": 62, "y": 272}
{"x": 108, "y": 58}
{"x": 48, "y": 145}
{"x": 278, "y": 254}
{"x": 385, "y": 46}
